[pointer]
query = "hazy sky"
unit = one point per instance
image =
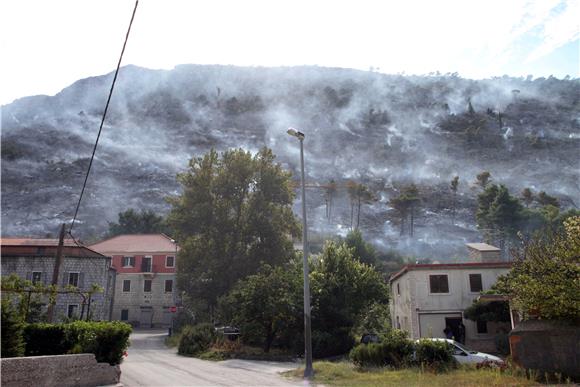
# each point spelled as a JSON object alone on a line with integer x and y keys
{"x": 47, "y": 45}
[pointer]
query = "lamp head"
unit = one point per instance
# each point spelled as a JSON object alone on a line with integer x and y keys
{"x": 295, "y": 133}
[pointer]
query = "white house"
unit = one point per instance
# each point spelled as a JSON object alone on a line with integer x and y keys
{"x": 427, "y": 298}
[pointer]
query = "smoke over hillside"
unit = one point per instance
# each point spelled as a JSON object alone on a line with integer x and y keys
{"x": 382, "y": 130}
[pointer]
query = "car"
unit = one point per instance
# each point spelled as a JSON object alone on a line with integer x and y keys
{"x": 464, "y": 355}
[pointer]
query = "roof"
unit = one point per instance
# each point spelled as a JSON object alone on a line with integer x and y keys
{"x": 21, "y": 247}
{"x": 136, "y": 243}
{"x": 451, "y": 266}
{"x": 482, "y": 247}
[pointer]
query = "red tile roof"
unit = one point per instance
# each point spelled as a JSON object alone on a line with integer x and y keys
{"x": 452, "y": 266}
{"x": 135, "y": 243}
{"x": 34, "y": 242}
{"x": 44, "y": 247}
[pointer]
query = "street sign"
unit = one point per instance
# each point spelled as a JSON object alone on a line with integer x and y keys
{"x": 173, "y": 309}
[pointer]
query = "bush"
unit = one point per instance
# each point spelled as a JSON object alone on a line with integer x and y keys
{"x": 196, "y": 339}
{"x": 12, "y": 327}
{"x": 45, "y": 339}
{"x": 106, "y": 340}
{"x": 327, "y": 344}
{"x": 434, "y": 354}
{"x": 394, "y": 349}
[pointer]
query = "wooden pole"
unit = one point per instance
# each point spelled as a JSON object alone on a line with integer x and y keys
{"x": 57, "y": 264}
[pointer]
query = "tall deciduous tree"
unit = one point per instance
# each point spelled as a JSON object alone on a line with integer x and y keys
{"x": 234, "y": 214}
{"x": 133, "y": 222}
{"x": 406, "y": 204}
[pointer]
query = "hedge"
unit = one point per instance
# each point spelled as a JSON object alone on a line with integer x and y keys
{"x": 12, "y": 341}
{"x": 434, "y": 354}
{"x": 394, "y": 349}
{"x": 107, "y": 340}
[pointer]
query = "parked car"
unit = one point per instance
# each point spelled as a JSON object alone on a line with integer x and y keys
{"x": 368, "y": 338}
{"x": 467, "y": 356}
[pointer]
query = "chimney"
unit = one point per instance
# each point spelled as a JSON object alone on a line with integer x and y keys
{"x": 482, "y": 252}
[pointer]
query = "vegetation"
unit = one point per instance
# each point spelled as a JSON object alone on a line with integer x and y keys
{"x": 545, "y": 279}
{"x": 235, "y": 213}
{"x": 108, "y": 340}
{"x": 133, "y": 222}
{"x": 361, "y": 250}
{"x": 394, "y": 350}
{"x": 488, "y": 311}
{"x": 12, "y": 331}
{"x": 405, "y": 205}
{"x": 358, "y": 194}
{"x": 454, "y": 186}
{"x": 196, "y": 339}
{"x": 346, "y": 374}
{"x": 435, "y": 355}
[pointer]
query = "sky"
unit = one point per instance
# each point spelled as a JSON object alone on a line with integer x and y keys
{"x": 47, "y": 45}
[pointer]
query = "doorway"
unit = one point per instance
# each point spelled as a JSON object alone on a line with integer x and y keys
{"x": 453, "y": 324}
{"x": 146, "y": 317}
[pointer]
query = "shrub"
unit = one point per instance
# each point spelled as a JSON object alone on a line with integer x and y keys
{"x": 196, "y": 339}
{"x": 45, "y": 339}
{"x": 327, "y": 344}
{"x": 12, "y": 327}
{"x": 394, "y": 349}
{"x": 434, "y": 354}
{"x": 106, "y": 340}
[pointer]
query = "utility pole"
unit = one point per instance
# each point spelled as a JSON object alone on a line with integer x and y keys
{"x": 57, "y": 264}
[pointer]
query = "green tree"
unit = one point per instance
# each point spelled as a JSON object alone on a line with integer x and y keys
{"x": 488, "y": 311}
{"x": 267, "y": 304}
{"x": 133, "y": 222}
{"x": 361, "y": 250}
{"x": 234, "y": 214}
{"x": 358, "y": 194}
{"x": 405, "y": 204}
{"x": 342, "y": 289}
{"x": 545, "y": 278}
{"x": 12, "y": 331}
{"x": 330, "y": 192}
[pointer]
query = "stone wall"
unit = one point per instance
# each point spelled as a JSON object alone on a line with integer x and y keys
{"x": 547, "y": 346}
{"x": 63, "y": 370}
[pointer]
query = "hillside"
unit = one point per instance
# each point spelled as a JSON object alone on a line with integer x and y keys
{"x": 382, "y": 130}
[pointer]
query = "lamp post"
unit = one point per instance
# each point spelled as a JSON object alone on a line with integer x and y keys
{"x": 308, "y": 371}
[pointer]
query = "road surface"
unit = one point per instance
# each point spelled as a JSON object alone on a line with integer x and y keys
{"x": 151, "y": 363}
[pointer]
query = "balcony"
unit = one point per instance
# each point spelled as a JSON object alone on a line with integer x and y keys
{"x": 146, "y": 266}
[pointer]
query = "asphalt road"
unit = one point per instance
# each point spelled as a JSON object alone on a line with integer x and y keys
{"x": 151, "y": 363}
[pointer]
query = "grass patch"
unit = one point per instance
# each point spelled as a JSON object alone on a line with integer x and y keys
{"x": 346, "y": 374}
{"x": 220, "y": 352}
{"x": 173, "y": 340}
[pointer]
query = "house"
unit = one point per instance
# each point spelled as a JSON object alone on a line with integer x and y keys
{"x": 482, "y": 252}
{"x": 427, "y": 298}
{"x": 81, "y": 267}
{"x": 145, "y": 290}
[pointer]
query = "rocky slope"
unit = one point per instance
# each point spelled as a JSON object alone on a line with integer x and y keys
{"x": 383, "y": 130}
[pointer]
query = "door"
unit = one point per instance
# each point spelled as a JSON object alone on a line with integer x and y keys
{"x": 146, "y": 317}
{"x": 453, "y": 324}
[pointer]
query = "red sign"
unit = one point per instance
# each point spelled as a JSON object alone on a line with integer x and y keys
{"x": 173, "y": 309}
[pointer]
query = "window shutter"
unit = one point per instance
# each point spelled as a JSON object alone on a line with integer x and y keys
{"x": 133, "y": 261}
{"x": 81, "y": 280}
{"x": 29, "y": 276}
{"x": 65, "y": 278}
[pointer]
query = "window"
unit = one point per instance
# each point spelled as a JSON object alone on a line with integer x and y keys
{"x": 438, "y": 283}
{"x": 73, "y": 279}
{"x": 124, "y": 314}
{"x": 128, "y": 261}
{"x": 146, "y": 265}
{"x": 168, "y": 286}
{"x": 475, "y": 284}
{"x": 398, "y": 289}
{"x": 170, "y": 261}
{"x": 36, "y": 277}
{"x": 72, "y": 311}
{"x": 481, "y": 326}
{"x": 147, "y": 286}
{"x": 126, "y": 285}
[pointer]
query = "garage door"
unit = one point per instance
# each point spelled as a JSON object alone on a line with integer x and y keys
{"x": 432, "y": 325}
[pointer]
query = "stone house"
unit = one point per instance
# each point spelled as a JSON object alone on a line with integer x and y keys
{"x": 145, "y": 289}
{"x": 34, "y": 260}
{"x": 427, "y": 298}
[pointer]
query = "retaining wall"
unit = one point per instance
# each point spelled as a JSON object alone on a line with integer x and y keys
{"x": 80, "y": 370}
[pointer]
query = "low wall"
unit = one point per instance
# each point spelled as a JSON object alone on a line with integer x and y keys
{"x": 547, "y": 346}
{"x": 80, "y": 370}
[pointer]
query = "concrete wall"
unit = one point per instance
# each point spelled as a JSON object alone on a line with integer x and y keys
{"x": 422, "y": 313}
{"x": 138, "y": 302}
{"x": 63, "y": 370}
{"x": 92, "y": 271}
{"x": 547, "y": 346}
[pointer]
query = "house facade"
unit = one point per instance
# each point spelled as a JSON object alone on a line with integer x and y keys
{"x": 81, "y": 268}
{"x": 145, "y": 287}
{"x": 428, "y": 298}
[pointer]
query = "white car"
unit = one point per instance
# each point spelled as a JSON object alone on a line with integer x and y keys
{"x": 466, "y": 356}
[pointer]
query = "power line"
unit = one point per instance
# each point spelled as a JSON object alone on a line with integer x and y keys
{"x": 103, "y": 118}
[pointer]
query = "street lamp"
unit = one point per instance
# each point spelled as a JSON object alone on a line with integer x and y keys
{"x": 308, "y": 371}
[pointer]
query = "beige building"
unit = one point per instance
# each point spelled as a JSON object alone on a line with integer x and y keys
{"x": 428, "y": 298}
{"x": 482, "y": 252}
{"x": 146, "y": 293}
